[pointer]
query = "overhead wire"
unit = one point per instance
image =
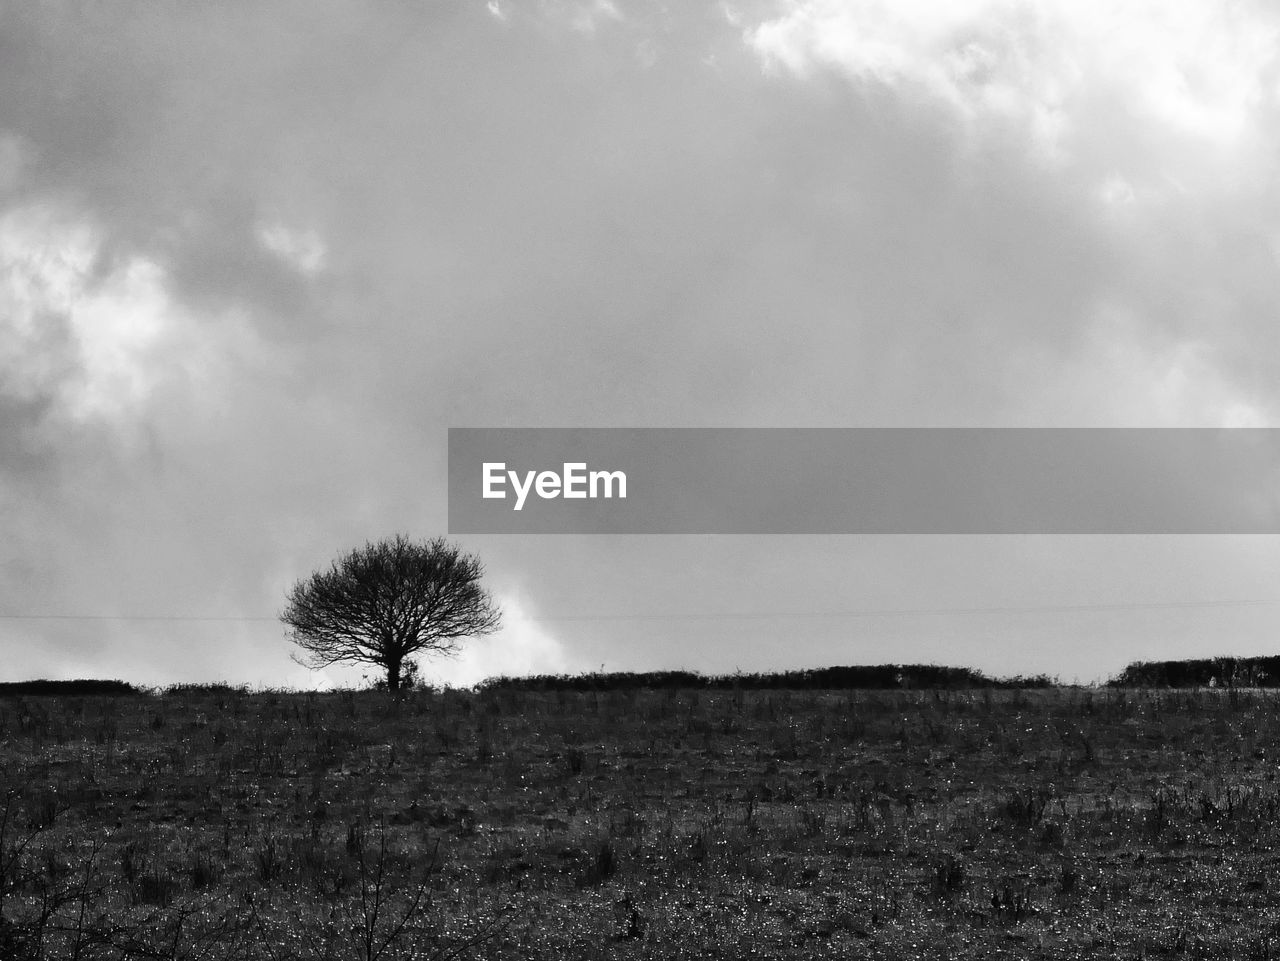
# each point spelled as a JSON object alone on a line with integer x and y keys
{"x": 725, "y": 615}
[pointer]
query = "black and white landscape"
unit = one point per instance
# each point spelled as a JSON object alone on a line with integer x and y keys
{"x": 256, "y": 260}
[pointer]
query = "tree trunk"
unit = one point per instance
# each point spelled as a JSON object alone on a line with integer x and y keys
{"x": 393, "y": 675}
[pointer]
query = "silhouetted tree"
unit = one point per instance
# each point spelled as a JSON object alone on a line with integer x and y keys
{"x": 383, "y": 603}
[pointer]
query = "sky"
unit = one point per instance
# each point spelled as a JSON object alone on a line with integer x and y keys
{"x": 256, "y": 259}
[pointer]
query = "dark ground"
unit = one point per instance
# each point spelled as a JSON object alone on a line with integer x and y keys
{"x": 1060, "y": 823}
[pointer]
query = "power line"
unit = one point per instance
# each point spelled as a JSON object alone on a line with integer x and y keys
{"x": 125, "y": 617}
{"x": 724, "y": 615}
{"x": 912, "y": 611}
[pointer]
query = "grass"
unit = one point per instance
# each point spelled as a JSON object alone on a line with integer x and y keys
{"x": 214, "y": 823}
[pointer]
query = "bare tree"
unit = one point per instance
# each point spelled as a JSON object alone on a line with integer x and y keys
{"x": 383, "y": 603}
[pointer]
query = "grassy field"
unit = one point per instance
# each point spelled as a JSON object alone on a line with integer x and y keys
{"x": 1061, "y": 823}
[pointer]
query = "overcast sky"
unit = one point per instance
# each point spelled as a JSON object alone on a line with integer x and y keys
{"x": 255, "y": 259}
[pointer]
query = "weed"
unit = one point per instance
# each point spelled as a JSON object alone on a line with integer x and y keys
{"x": 1026, "y": 808}
{"x": 204, "y": 871}
{"x": 268, "y": 861}
{"x": 1010, "y": 903}
{"x": 948, "y": 878}
{"x": 575, "y": 761}
{"x": 601, "y": 864}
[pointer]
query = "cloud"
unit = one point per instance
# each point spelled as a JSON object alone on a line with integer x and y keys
{"x": 1133, "y": 133}
{"x": 94, "y": 339}
{"x": 587, "y": 17}
{"x": 522, "y": 647}
{"x": 1123, "y": 375}
{"x": 1064, "y": 72}
{"x": 301, "y": 249}
{"x": 252, "y": 270}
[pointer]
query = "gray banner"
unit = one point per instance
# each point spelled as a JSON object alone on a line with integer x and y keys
{"x": 864, "y": 481}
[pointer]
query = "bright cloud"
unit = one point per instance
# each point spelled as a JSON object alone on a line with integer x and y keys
{"x": 96, "y": 338}
{"x": 1196, "y": 69}
{"x": 587, "y": 17}
{"x": 301, "y": 249}
{"x": 69, "y": 333}
{"x": 522, "y": 647}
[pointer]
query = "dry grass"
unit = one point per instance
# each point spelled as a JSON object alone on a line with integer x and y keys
{"x": 1041, "y": 824}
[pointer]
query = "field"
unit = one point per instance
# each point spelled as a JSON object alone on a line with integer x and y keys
{"x": 1060, "y": 823}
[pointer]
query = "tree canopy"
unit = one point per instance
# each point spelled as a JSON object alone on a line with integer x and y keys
{"x": 388, "y": 601}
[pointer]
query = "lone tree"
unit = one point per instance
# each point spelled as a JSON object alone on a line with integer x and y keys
{"x": 383, "y": 603}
